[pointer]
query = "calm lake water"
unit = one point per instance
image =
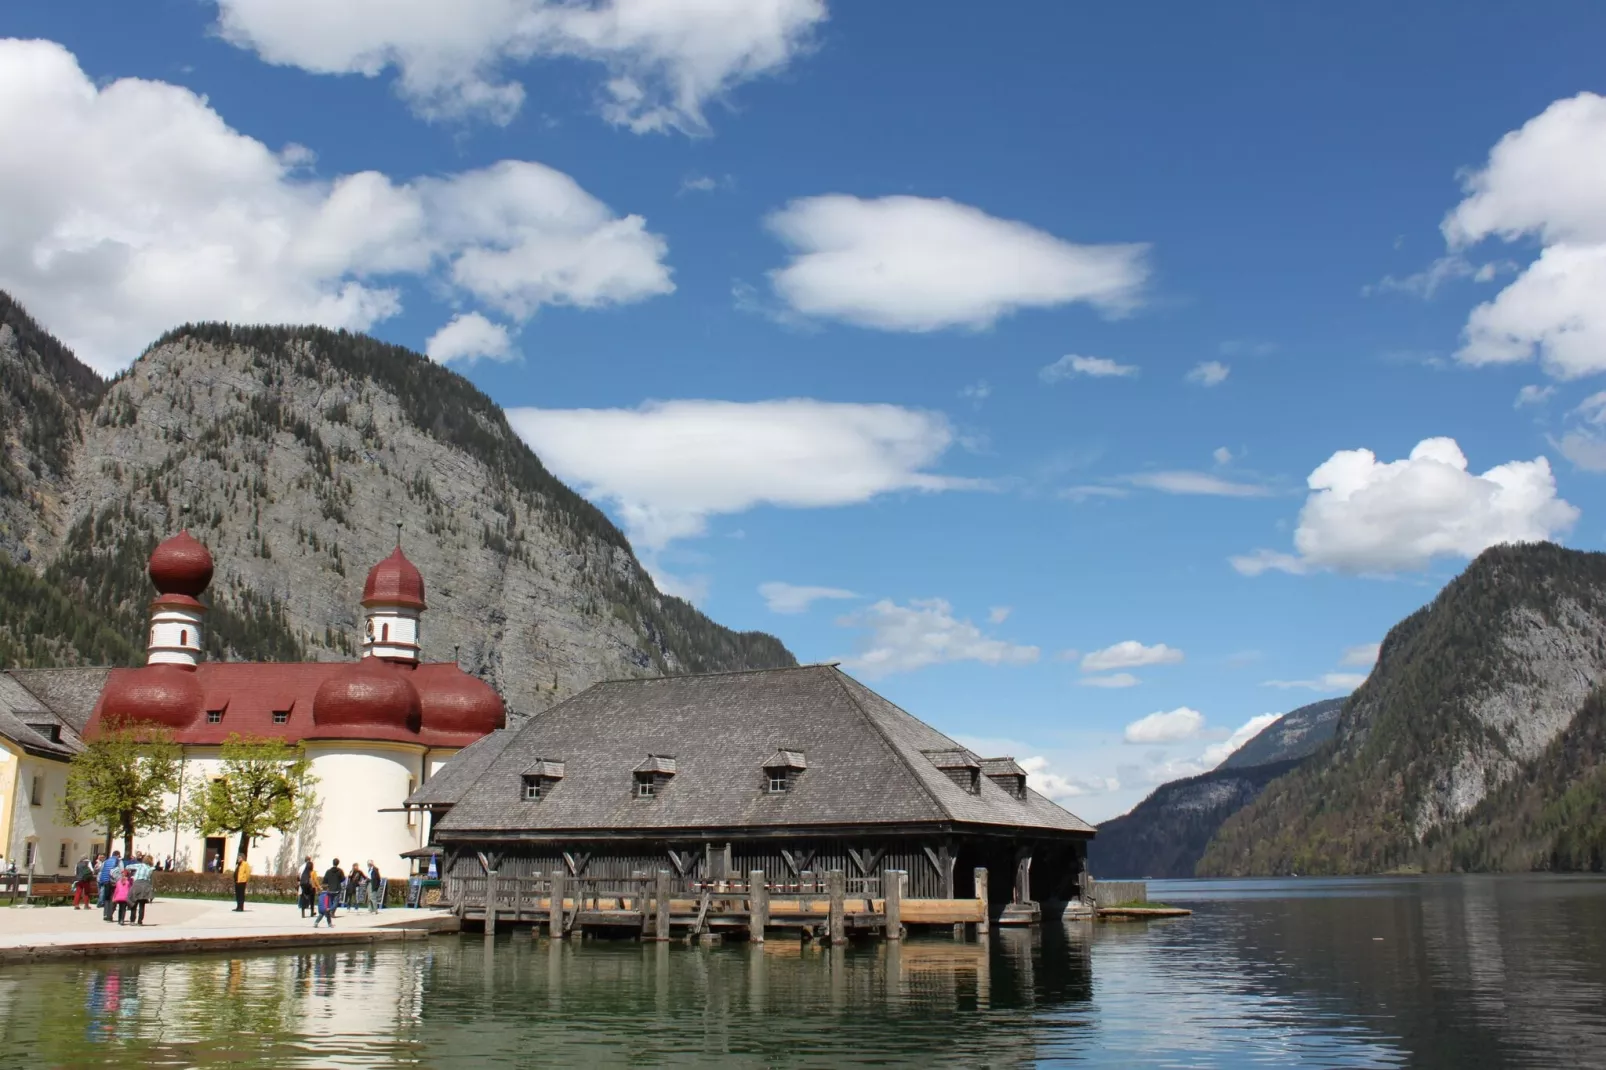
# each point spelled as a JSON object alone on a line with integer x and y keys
{"x": 1452, "y": 972}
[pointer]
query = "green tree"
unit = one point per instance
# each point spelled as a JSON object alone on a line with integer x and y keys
{"x": 122, "y": 779}
{"x": 265, "y": 786}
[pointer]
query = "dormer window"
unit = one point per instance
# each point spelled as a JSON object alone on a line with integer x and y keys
{"x": 214, "y": 716}
{"x": 652, "y": 774}
{"x": 782, "y": 769}
{"x": 539, "y": 779}
{"x": 281, "y": 716}
{"x": 1007, "y": 774}
{"x": 960, "y": 766}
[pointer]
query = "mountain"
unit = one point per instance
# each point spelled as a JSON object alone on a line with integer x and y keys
{"x": 293, "y": 453}
{"x": 1164, "y": 835}
{"x": 1296, "y": 734}
{"x": 1468, "y": 746}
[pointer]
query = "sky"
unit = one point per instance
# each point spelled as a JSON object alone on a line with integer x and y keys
{"x": 1095, "y": 381}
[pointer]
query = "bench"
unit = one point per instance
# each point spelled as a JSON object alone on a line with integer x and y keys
{"x": 48, "y": 890}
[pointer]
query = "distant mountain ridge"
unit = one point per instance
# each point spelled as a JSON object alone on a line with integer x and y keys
{"x": 1474, "y": 744}
{"x": 1296, "y": 734}
{"x": 293, "y": 452}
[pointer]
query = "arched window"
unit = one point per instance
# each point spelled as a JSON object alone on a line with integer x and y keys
{"x": 184, "y": 637}
{"x": 384, "y": 633}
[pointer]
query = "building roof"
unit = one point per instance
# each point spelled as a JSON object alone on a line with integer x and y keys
{"x": 866, "y": 762}
{"x": 70, "y": 693}
{"x": 245, "y": 696}
{"x": 29, "y": 723}
{"x": 461, "y": 771}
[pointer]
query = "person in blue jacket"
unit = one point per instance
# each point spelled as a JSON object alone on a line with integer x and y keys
{"x": 108, "y": 881}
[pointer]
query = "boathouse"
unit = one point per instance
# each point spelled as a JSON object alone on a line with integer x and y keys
{"x": 793, "y": 773}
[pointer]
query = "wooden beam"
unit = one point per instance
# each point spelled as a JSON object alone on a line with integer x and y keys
{"x": 983, "y": 924}
{"x": 1023, "y": 875}
{"x": 836, "y": 885}
{"x": 555, "y": 905}
{"x": 490, "y": 902}
{"x": 758, "y": 905}
{"x": 661, "y": 893}
{"x": 892, "y": 895}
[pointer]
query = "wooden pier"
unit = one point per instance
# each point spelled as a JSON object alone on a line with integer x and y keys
{"x": 829, "y": 906}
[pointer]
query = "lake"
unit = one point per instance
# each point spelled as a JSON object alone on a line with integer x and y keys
{"x": 1434, "y": 972}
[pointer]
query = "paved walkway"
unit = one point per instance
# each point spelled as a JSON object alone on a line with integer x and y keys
{"x": 32, "y": 932}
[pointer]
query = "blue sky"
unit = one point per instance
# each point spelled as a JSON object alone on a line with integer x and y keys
{"x": 1032, "y": 342}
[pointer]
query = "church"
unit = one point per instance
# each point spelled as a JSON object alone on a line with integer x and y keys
{"x": 374, "y": 729}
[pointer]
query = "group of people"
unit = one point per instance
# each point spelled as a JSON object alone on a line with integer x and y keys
{"x": 115, "y": 885}
{"x": 336, "y": 888}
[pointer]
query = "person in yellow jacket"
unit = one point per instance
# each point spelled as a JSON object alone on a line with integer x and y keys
{"x": 242, "y": 874}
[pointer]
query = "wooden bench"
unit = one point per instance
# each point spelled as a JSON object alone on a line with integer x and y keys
{"x": 48, "y": 890}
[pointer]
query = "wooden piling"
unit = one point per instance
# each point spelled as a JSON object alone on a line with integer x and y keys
{"x": 836, "y": 885}
{"x": 892, "y": 881}
{"x": 661, "y": 895}
{"x": 555, "y": 906}
{"x": 758, "y": 905}
{"x": 490, "y": 902}
{"x": 984, "y": 925}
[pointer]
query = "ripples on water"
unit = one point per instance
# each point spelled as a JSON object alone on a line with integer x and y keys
{"x": 1467, "y": 972}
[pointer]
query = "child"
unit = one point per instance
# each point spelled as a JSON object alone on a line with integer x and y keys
{"x": 120, "y": 892}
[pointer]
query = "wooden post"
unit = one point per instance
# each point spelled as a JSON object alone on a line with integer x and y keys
{"x": 1023, "y": 875}
{"x": 985, "y": 924}
{"x": 490, "y": 902}
{"x": 837, "y": 888}
{"x": 892, "y": 889}
{"x": 661, "y": 929}
{"x": 555, "y": 908}
{"x": 758, "y": 906}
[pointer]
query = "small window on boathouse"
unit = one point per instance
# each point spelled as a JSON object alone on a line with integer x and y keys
{"x": 782, "y": 769}
{"x": 652, "y": 774}
{"x": 960, "y": 766}
{"x": 1007, "y": 774}
{"x": 539, "y": 779}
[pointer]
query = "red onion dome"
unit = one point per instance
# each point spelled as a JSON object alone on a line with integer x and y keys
{"x": 181, "y": 565}
{"x": 167, "y": 695}
{"x": 456, "y": 702}
{"x": 394, "y": 582}
{"x": 371, "y": 692}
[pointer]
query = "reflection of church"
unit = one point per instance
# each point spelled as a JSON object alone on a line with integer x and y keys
{"x": 375, "y": 729}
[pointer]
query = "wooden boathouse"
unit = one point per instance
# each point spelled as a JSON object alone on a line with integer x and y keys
{"x": 745, "y": 801}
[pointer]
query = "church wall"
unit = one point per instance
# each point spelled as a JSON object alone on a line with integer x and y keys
{"x": 22, "y": 821}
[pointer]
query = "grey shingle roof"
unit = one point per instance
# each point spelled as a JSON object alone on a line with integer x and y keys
{"x": 70, "y": 693}
{"x": 21, "y": 711}
{"x": 461, "y": 770}
{"x": 866, "y": 764}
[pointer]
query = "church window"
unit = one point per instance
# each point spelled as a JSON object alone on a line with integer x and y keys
{"x": 214, "y": 716}
{"x": 384, "y": 633}
{"x": 281, "y": 716}
{"x": 184, "y": 637}
{"x": 30, "y": 855}
{"x": 36, "y": 791}
{"x": 61, "y": 858}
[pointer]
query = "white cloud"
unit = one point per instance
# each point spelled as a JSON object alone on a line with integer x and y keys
{"x": 922, "y": 264}
{"x": 998, "y": 614}
{"x": 1094, "y": 367}
{"x": 790, "y": 598}
{"x": 1217, "y": 753}
{"x": 976, "y": 392}
{"x": 1364, "y": 655}
{"x": 1221, "y": 455}
{"x": 1040, "y": 778}
{"x": 1327, "y": 681}
{"x": 1542, "y": 181}
{"x": 1085, "y": 491}
{"x": 924, "y": 632}
{"x": 1172, "y": 726}
{"x": 1533, "y": 395}
{"x": 137, "y": 207}
{"x": 1195, "y": 483}
{"x": 1426, "y": 283}
{"x": 1582, "y": 443}
{"x": 666, "y": 61}
{"x": 469, "y": 337}
{"x": 1366, "y": 516}
{"x": 1209, "y": 373}
{"x": 668, "y": 466}
{"x": 1112, "y": 680}
{"x": 1130, "y": 654}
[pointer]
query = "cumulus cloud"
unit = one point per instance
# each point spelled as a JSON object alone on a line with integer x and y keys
{"x": 921, "y": 264}
{"x": 999, "y": 614}
{"x": 1130, "y": 654}
{"x": 1327, "y": 681}
{"x": 976, "y": 392}
{"x": 1112, "y": 680}
{"x": 1364, "y": 655}
{"x": 1040, "y": 778}
{"x": 1533, "y": 394}
{"x": 1093, "y": 367}
{"x": 665, "y": 61}
{"x": 469, "y": 337}
{"x": 1087, "y": 491}
{"x": 790, "y": 598}
{"x": 668, "y": 466}
{"x": 1203, "y": 483}
{"x": 1541, "y": 181}
{"x": 901, "y": 638}
{"x": 136, "y": 207}
{"x": 1172, "y": 726}
{"x": 1367, "y": 516}
{"x": 1221, "y": 455}
{"x": 1217, "y": 753}
{"x": 1209, "y": 373}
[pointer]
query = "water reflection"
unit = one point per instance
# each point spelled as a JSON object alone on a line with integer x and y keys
{"x": 1465, "y": 973}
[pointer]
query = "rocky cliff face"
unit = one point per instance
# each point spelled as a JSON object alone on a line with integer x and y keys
{"x": 293, "y": 454}
{"x": 1296, "y": 734}
{"x": 1470, "y": 694}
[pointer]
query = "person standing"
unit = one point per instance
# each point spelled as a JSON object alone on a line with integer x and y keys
{"x": 309, "y": 878}
{"x": 376, "y": 888}
{"x": 242, "y": 874}
{"x": 83, "y": 888}
{"x": 143, "y": 890}
{"x": 109, "y": 870}
{"x": 121, "y": 891}
{"x": 334, "y": 879}
{"x": 354, "y": 883}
